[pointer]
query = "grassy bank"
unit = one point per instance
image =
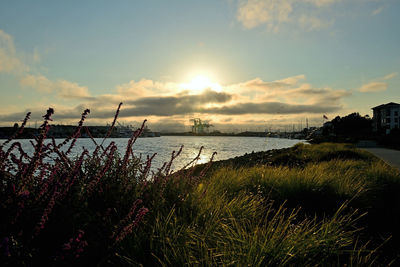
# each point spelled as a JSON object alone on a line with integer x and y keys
{"x": 326, "y": 204}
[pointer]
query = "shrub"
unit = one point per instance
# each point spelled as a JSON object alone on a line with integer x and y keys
{"x": 58, "y": 209}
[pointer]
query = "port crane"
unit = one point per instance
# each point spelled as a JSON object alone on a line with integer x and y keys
{"x": 200, "y": 126}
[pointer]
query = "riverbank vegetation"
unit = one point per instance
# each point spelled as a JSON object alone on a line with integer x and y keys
{"x": 325, "y": 204}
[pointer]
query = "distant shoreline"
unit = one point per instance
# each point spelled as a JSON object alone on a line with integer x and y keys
{"x": 65, "y": 131}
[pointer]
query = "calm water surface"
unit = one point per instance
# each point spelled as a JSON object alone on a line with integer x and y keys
{"x": 226, "y": 147}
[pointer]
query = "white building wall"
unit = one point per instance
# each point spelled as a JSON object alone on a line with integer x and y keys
{"x": 394, "y": 118}
{"x": 386, "y": 117}
{"x": 390, "y": 117}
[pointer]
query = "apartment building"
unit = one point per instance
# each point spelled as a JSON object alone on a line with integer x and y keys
{"x": 386, "y": 117}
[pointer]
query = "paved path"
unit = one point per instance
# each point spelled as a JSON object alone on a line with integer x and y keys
{"x": 390, "y": 156}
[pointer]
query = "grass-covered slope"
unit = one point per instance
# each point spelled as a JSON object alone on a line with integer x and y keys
{"x": 335, "y": 206}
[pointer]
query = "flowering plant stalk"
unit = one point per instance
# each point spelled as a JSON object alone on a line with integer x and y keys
{"x": 97, "y": 200}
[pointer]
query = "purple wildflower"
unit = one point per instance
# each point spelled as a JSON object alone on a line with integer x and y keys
{"x": 129, "y": 228}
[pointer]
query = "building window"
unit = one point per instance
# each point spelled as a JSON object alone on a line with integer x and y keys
{"x": 387, "y": 120}
{"x": 396, "y": 113}
{"x": 396, "y": 120}
{"x": 388, "y": 112}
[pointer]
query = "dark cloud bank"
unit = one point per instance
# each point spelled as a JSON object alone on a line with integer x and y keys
{"x": 180, "y": 105}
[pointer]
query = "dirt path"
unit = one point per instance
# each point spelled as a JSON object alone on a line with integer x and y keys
{"x": 390, "y": 156}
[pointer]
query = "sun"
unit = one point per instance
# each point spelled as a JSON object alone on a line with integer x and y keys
{"x": 200, "y": 83}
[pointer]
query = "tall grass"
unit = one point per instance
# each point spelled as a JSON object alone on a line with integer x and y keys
{"x": 245, "y": 232}
{"x": 327, "y": 204}
{"x": 320, "y": 213}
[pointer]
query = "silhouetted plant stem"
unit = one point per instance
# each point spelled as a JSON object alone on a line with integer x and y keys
{"x": 37, "y": 157}
{"x": 16, "y": 134}
{"x": 112, "y": 125}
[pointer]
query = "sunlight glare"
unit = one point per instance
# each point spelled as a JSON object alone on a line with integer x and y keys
{"x": 200, "y": 83}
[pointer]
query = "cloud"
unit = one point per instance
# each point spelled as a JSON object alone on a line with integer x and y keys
{"x": 40, "y": 83}
{"x": 311, "y": 23}
{"x": 373, "y": 87}
{"x": 258, "y": 85}
{"x": 321, "y": 3}
{"x": 68, "y": 89}
{"x": 274, "y": 13}
{"x": 270, "y": 108}
{"x": 377, "y": 11}
{"x": 255, "y": 99}
{"x": 61, "y": 113}
{"x": 253, "y": 13}
{"x": 145, "y": 87}
{"x": 63, "y": 88}
{"x": 318, "y": 95}
{"x": 173, "y": 105}
{"x": 285, "y": 96}
{"x": 17, "y": 116}
{"x": 378, "y": 85}
{"x": 316, "y": 100}
{"x": 150, "y": 100}
{"x": 293, "y": 80}
{"x": 291, "y": 90}
{"x": 9, "y": 61}
{"x": 390, "y": 76}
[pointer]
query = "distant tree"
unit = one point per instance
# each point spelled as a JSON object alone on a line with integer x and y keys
{"x": 352, "y": 125}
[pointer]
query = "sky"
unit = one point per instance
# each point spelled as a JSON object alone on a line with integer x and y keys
{"x": 239, "y": 64}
